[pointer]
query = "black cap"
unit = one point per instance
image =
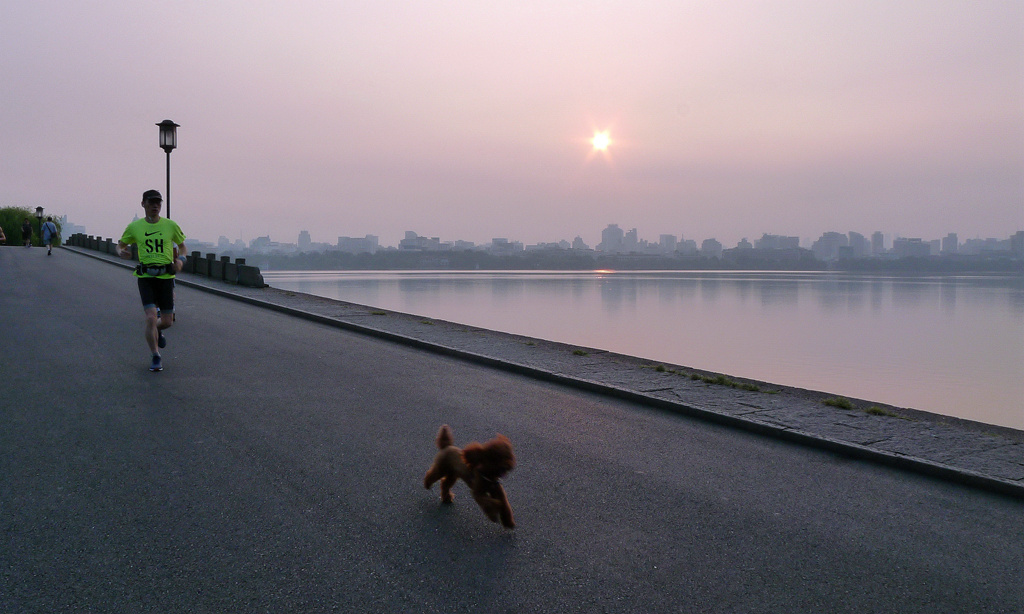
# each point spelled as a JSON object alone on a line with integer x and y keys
{"x": 151, "y": 195}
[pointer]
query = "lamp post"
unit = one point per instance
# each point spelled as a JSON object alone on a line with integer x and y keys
{"x": 39, "y": 219}
{"x": 168, "y": 141}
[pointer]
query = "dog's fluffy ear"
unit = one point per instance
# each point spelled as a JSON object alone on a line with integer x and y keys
{"x": 502, "y": 460}
{"x": 495, "y": 458}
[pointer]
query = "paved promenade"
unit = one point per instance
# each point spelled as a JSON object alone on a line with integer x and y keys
{"x": 275, "y": 465}
{"x": 969, "y": 453}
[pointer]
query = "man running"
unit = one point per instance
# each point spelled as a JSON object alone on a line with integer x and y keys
{"x": 161, "y": 254}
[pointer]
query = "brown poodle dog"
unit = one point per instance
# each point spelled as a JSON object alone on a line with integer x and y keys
{"x": 480, "y": 466}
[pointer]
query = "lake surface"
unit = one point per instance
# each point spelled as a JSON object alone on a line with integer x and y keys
{"x": 952, "y": 345}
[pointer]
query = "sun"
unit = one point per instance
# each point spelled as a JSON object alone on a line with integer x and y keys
{"x": 601, "y": 141}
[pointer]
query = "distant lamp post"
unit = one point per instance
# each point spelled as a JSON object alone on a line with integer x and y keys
{"x": 39, "y": 219}
{"x": 168, "y": 141}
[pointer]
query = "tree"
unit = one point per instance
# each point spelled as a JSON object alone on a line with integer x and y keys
{"x": 11, "y": 219}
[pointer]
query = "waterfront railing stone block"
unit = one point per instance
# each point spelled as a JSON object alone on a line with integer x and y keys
{"x": 216, "y": 267}
{"x": 221, "y": 269}
{"x": 250, "y": 276}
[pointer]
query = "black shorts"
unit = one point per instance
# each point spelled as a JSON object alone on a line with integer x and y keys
{"x": 158, "y": 293}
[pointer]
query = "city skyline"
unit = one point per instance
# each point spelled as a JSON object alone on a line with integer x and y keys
{"x": 476, "y": 121}
{"x": 873, "y": 243}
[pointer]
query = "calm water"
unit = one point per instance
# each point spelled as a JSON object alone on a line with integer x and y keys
{"x": 949, "y": 345}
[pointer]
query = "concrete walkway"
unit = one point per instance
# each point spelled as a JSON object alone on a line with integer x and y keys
{"x": 970, "y": 453}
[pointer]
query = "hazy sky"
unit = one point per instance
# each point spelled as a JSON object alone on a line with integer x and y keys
{"x": 473, "y": 120}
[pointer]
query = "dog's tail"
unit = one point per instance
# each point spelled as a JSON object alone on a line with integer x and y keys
{"x": 444, "y": 437}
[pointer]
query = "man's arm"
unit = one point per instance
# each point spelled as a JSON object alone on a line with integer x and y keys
{"x": 123, "y": 251}
{"x": 179, "y": 257}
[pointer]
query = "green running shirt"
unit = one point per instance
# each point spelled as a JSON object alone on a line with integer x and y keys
{"x": 156, "y": 241}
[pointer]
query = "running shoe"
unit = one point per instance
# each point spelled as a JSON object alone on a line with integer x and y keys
{"x": 157, "y": 365}
{"x": 161, "y": 340}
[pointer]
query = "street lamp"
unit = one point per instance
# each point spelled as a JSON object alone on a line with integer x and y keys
{"x": 168, "y": 141}
{"x": 39, "y": 219}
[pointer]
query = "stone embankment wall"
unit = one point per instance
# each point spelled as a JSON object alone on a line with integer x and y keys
{"x": 236, "y": 272}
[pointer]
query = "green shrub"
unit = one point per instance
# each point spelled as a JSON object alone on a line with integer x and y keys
{"x": 875, "y": 410}
{"x": 11, "y": 219}
{"x": 840, "y": 402}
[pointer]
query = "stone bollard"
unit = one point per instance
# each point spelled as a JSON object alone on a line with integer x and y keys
{"x": 110, "y": 247}
{"x": 223, "y": 264}
{"x": 216, "y": 267}
{"x": 224, "y": 261}
{"x": 193, "y": 262}
{"x": 230, "y": 272}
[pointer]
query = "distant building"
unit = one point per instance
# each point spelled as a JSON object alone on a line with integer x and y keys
{"x": 264, "y": 245}
{"x": 630, "y": 241}
{"x": 711, "y": 248}
{"x": 560, "y": 246}
{"x": 687, "y": 247}
{"x": 1017, "y": 244}
{"x": 611, "y": 239}
{"x": 504, "y": 246}
{"x": 768, "y": 241}
{"x": 911, "y": 248}
{"x": 358, "y": 245}
{"x": 827, "y": 247}
{"x": 975, "y": 247}
{"x": 950, "y": 244}
{"x": 667, "y": 243}
{"x": 305, "y": 241}
{"x": 415, "y": 243}
{"x": 744, "y": 244}
{"x": 858, "y": 245}
{"x": 67, "y": 228}
{"x": 877, "y": 243}
{"x": 578, "y": 243}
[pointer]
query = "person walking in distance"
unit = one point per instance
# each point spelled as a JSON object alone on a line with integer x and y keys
{"x": 161, "y": 255}
{"x": 26, "y": 233}
{"x": 49, "y": 234}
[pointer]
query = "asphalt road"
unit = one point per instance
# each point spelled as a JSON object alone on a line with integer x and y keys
{"x": 275, "y": 465}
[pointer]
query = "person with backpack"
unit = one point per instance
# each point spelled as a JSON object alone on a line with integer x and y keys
{"x": 49, "y": 234}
